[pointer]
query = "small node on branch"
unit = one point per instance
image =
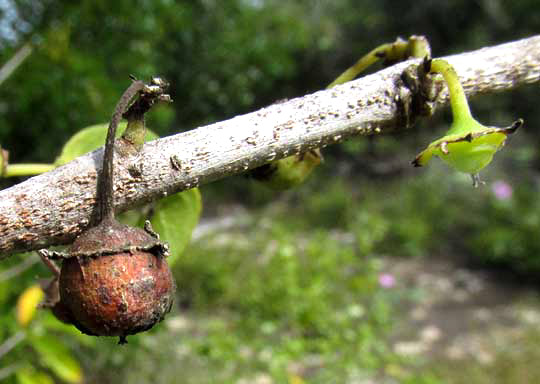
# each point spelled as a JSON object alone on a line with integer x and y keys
{"x": 149, "y": 95}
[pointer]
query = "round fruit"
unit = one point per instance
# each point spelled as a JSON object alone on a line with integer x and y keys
{"x": 116, "y": 283}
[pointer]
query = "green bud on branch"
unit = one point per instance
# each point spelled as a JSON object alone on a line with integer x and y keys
{"x": 468, "y": 146}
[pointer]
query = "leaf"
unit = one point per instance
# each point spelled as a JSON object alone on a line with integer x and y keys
{"x": 133, "y": 218}
{"x": 287, "y": 172}
{"x": 55, "y": 356}
{"x": 89, "y": 139}
{"x": 175, "y": 218}
{"x": 27, "y": 304}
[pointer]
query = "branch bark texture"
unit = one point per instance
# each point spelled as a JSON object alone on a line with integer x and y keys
{"x": 55, "y": 207}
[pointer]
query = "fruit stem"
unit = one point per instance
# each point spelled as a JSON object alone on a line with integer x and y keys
{"x": 399, "y": 50}
{"x": 105, "y": 183}
{"x": 364, "y": 62}
{"x": 458, "y": 100}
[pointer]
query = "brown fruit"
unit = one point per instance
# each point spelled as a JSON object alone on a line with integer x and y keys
{"x": 116, "y": 282}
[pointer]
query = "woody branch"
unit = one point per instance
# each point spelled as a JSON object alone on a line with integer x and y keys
{"x": 53, "y": 208}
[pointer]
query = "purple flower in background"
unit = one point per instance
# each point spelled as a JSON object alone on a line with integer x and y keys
{"x": 386, "y": 280}
{"x": 502, "y": 190}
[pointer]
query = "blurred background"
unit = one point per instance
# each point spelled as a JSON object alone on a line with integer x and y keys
{"x": 370, "y": 272}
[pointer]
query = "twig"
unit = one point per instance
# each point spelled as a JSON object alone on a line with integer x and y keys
{"x": 11, "y": 343}
{"x": 18, "y": 269}
{"x": 105, "y": 185}
{"x": 15, "y": 61}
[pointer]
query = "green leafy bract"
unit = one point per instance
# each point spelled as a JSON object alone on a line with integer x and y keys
{"x": 470, "y": 151}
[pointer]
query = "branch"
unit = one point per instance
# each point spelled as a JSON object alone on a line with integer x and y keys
{"x": 55, "y": 207}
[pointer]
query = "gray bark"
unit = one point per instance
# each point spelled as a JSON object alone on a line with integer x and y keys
{"x": 55, "y": 207}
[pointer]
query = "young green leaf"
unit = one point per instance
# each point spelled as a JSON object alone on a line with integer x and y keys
{"x": 175, "y": 219}
{"x": 288, "y": 172}
{"x": 468, "y": 146}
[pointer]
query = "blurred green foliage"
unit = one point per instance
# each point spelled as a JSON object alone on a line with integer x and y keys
{"x": 510, "y": 365}
{"x": 42, "y": 349}
{"x": 218, "y": 58}
{"x": 268, "y": 298}
{"x": 293, "y": 294}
